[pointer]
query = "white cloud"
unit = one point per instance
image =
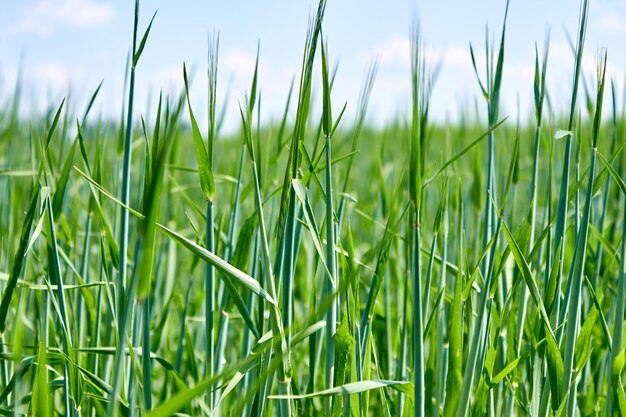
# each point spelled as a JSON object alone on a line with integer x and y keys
{"x": 170, "y": 78}
{"x": 45, "y": 84}
{"x": 240, "y": 63}
{"x": 612, "y": 23}
{"x": 42, "y": 17}
{"x": 8, "y": 77}
{"x": 396, "y": 53}
{"x": 457, "y": 56}
{"x": 58, "y": 76}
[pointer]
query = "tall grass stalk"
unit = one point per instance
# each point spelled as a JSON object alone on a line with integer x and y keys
{"x": 331, "y": 283}
{"x": 266, "y": 263}
{"x": 539, "y": 97}
{"x": 618, "y": 330}
{"x": 559, "y": 237}
{"x": 125, "y": 300}
{"x": 575, "y": 299}
{"x": 57, "y": 281}
{"x": 491, "y": 92}
{"x": 415, "y": 194}
{"x": 288, "y": 211}
{"x": 204, "y": 155}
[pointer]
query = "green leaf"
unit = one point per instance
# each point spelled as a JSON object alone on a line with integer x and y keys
{"x": 59, "y": 192}
{"x": 555, "y": 369}
{"x": 142, "y": 44}
{"x": 18, "y": 260}
{"x": 619, "y": 364}
{"x": 621, "y": 398}
{"x": 508, "y": 369}
{"x": 602, "y": 176}
{"x": 455, "y": 355}
{"x": 54, "y": 271}
{"x": 480, "y": 83}
{"x": 114, "y": 250}
{"x": 185, "y": 396}
{"x": 560, "y": 134}
{"x": 344, "y": 343}
{"x": 598, "y": 310}
{"x": 527, "y": 274}
{"x": 583, "y": 347}
{"x": 327, "y": 118}
{"x": 609, "y": 166}
{"x": 463, "y": 152}
{"x": 205, "y": 170}
{"x": 309, "y": 219}
{"x": 347, "y": 389}
{"x": 92, "y": 99}
{"x": 54, "y": 124}
{"x": 220, "y": 264}
{"x": 41, "y": 398}
{"x": 147, "y": 230}
{"x": 552, "y": 291}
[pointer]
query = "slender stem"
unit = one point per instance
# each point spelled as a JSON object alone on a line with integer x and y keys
{"x": 209, "y": 302}
{"x": 618, "y": 323}
{"x": 276, "y": 321}
{"x": 331, "y": 282}
{"x": 418, "y": 342}
{"x": 145, "y": 355}
{"x": 123, "y": 237}
{"x": 573, "y": 316}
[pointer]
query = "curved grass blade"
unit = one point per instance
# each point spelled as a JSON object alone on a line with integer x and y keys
{"x": 347, "y": 389}
{"x": 205, "y": 170}
{"x": 220, "y": 264}
{"x": 18, "y": 260}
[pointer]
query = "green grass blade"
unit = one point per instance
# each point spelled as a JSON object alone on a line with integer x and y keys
{"x": 205, "y": 170}
{"x": 347, "y": 389}
{"x": 616, "y": 177}
{"x": 137, "y": 53}
{"x": 18, "y": 261}
{"x": 529, "y": 279}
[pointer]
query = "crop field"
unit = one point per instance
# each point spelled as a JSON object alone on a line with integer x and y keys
{"x": 317, "y": 265}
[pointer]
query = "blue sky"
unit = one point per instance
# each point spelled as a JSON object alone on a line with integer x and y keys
{"x": 76, "y": 43}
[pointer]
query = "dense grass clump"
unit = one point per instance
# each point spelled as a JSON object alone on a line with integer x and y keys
{"x": 316, "y": 266}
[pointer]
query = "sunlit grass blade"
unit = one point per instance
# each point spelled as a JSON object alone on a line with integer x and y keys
{"x": 123, "y": 303}
{"x": 18, "y": 261}
{"x": 613, "y": 384}
{"x": 347, "y": 389}
{"x": 575, "y": 299}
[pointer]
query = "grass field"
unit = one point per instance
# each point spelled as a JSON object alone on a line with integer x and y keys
{"x": 317, "y": 265}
